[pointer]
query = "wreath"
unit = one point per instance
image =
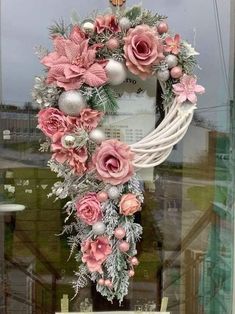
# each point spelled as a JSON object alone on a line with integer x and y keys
{"x": 98, "y": 175}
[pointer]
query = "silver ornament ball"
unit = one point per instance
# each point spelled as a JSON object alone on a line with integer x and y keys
{"x": 99, "y": 228}
{"x": 116, "y": 72}
{"x": 163, "y": 75}
{"x": 97, "y": 135}
{"x": 68, "y": 141}
{"x": 171, "y": 61}
{"x": 71, "y": 102}
{"x": 88, "y": 26}
{"x": 113, "y": 193}
{"x": 124, "y": 23}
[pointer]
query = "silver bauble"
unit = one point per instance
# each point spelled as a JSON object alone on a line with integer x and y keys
{"x": 71, "y": 102}
{"x": 116, "y": 72}
{"x": 124, "y": 23}
{"x": 97, "y": 135}
{"x": 88, "y": 26}
{"x": 163, "y": 75}
{"x": 98, "y": 228}
{"x": 113, "y": 193}
{"x": 171, "y": 61}
{"x": 69, "y": 141}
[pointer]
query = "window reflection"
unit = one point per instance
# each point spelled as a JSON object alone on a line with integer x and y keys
{"x": 186, "y": 253}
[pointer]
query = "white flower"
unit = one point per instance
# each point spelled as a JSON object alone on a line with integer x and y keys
{"x": 190, "y": 51}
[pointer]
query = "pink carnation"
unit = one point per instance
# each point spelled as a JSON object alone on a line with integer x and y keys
{"x": 142, "y": 50}
{"x": 113, "y": 162}
{"x": 107, "y": 22}
{"x": 95, "y": 253}
{"x": 75, "y": 158}
{"x": 89, "y": 209}
{"x": 90, "y": 118}
{"x": 73, "y": 62}
{"x": 52, "y": 121}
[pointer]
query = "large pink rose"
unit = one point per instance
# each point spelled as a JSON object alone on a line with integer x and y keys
{"x": 51, "y": 121}
{"x": 89, "y": 118}
{"x": 75, "y": 158}
{"x": 113, "y": 162}
{"x": 95, "y": 253}
{"x": 73, "y": 62}
{"x": 88, "y": 209}
{"x": 129, "y": 204}
{"x": 142, "y": 50}
{"x": 107, "y": 22}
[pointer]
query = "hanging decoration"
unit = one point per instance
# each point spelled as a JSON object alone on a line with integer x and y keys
{"x": 98, "y": 175}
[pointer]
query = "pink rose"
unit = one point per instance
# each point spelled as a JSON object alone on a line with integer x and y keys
{"x": 113, "y": 162}
{"x": 88, "y": 209}
{"x": 95, "y": 253}
{"x": 89, "y": 118}
{"x": 107, "y": 22}
{"x": 142, "y": 50}
{"x": 51, "y": 121}
{"x": 75, "y": 158}
{"x": 129, "y": 204}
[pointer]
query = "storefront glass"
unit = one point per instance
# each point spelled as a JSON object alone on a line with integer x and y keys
{"x": 187, "y": 249}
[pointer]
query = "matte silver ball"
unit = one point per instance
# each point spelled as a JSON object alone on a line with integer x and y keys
{"x": 124, "y": 23}
{"x": 163, "y": 75}
{"x": 71, "y": 102}
{"x": 113, "y": 193}
{"x": 99, "y": 228}
{"x": 68, "y": 141}
{"x": 97, "y": 135}
{"x": 171, "y": 61}
{"x": 116, "y": 72}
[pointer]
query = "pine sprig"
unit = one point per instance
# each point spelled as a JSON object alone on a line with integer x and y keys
{"x": 58, "y": 28}
{"x": 104, "y": 99}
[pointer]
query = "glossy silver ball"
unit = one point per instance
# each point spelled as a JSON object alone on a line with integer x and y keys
{"x": 171, "y": 61}
{"x": 116, "y": 72}
{"x": 163, "y": 75}
{"x": 97, "y": 135}
{"x": 99, "y": 228}
{"x": 88, "y": 26}
{"x": 71, "y": 102}
{"x": 69, "y": 141}
{"x": 113, "y": 193}
{"x": 125, "y": 23}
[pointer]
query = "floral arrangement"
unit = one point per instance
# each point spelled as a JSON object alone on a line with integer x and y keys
{"x": 97, "y": 174}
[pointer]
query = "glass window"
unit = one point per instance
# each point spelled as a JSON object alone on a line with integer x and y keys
{"x": 187, "y": 249}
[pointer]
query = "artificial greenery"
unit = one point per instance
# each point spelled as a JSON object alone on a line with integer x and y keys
{"x": 103, "y": 99}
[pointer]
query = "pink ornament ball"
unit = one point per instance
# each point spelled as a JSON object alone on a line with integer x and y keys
{"x": 108, "y": 283}
{"x": 112, "y": 43}
{"x": 134, "y": 261}
{"x": 124, "y": 246}
{"x": 176, "y": 72}
{"x": 131, "y": 273}
{"x": 102, "y": 196}
{"x": 162, "y": 28}
{"x": 119, "y": 233}
{"x": 101, "y": 282}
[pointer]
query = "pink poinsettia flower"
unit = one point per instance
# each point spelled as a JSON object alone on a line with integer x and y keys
{"x": 95, "y": 253}
{"x": 107, "y": 22}
{"x": 172, "y": 44}
{"x": 187, "y": 88}
{"x": 74, "y": 157}
{"x": 73, "y": 62}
